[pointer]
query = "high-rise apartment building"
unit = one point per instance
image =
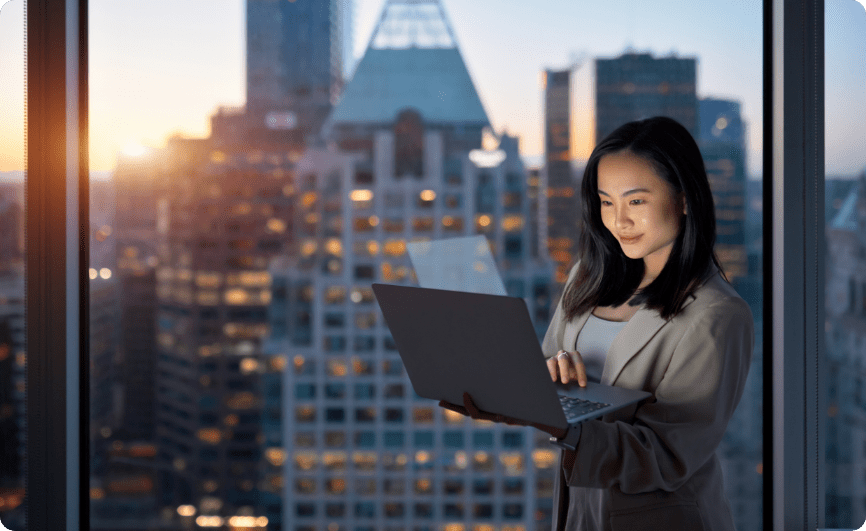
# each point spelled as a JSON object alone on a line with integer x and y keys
{"x": 12, "y": 412}
{"x": 634, "y": 86}
{"x": 359, "y": 450}
{"x": 295, "y": 54}
{"x": 722, "y": 139}
{"x": 226, "y": 212}
{"x": 563, "y": 207}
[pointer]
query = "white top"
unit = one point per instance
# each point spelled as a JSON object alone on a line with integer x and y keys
{"x": 594, "y": 341}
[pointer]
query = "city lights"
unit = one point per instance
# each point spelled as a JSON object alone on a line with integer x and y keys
{"x": 361, "y": 195}
{"x": 186, "y": 510}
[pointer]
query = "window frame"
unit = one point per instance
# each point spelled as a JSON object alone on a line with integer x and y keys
{"x": 57, "y": 263}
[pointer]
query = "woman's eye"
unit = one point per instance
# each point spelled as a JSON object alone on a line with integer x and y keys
{"x": 605, "y": 203}
{"x": 637, "y": 201}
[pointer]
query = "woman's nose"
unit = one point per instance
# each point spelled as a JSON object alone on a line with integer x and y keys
{"x": 622, "y": 218}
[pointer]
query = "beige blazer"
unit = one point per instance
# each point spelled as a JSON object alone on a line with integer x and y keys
{"x": 654, "y": 465}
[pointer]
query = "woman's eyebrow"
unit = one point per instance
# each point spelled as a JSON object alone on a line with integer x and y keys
{"x": 630, "y": 192}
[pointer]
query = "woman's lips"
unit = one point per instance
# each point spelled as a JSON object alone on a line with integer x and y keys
{"x": 633, "y": 239}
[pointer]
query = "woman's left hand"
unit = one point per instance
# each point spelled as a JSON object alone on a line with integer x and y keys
{"x": 567, "y": 366}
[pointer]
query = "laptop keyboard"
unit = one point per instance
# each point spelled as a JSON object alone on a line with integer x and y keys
{"x": 575, "y": 407}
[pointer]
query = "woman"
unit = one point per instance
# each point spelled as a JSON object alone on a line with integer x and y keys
{"x": 646, "y": 307}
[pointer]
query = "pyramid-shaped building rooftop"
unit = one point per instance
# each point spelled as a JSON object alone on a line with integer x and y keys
{"x": 412, "y": 62}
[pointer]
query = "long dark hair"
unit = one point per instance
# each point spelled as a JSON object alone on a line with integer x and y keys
{"x": 606, "y": 276}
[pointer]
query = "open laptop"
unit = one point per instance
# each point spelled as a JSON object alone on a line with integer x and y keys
{"x": 453, "y": 342}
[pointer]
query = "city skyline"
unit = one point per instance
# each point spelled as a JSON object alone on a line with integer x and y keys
{"x": 128, "y": 66}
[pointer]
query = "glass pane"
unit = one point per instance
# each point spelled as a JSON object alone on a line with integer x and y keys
{"x": 256, "y": 171}
{"x": 12, "y": 355}
{"x": 845, "y": 217}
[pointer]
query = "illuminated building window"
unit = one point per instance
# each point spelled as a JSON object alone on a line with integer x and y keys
{"x": 394, "y": 463}
{"x": 483, "y": 462}
{"x": 453, "y": 417}
{"x": 422, "y": 224}
{"x": 512, "y": 462}
{"x": 362, "y": 367}
{"x": 305, "y": 414}
{"x": 453, "y": 201}
{"x": 423, "y": 439}
{"x": 335, "y": 439}
{"x": 512, "y": 201}
{"x": 335, "y": 295}
{"x": 365, "y": 321}
{"x": 422, "y": 415}
{"x": 484, "y": 223}
{"x": 336, "y": 368}
{"x": 302, "y": 366}
{"x": 305, "y": 460}
{"x": 365, "y": 439}
{"x": 305, "y": 486}
{"x": 452, "y": 223}
{"x": 425, "y": 199}
{"x": 394, "y": 247}
{"x": 365, "y": 223}
{"x": 424, "y": 510}
{"x": 334, "y": 460}
{"x": 512, "y": 223}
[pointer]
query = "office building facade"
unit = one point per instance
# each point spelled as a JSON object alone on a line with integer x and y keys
{"x": 563, "y": 192}
{"x": 359, "y": 450}
{"x": 635, "y": 86}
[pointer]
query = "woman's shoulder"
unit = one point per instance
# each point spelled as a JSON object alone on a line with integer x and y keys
{"x": 717, "y": 296}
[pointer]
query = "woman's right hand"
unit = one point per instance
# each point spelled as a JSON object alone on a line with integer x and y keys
{"x": 566, "y": 367}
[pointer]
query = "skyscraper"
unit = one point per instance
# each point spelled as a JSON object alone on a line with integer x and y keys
{"x": 295, "y": 54}
{"x": 634, "y": 86}
{"x": 722, "y": 140}
{"x": 563, "y": 208}
{"x": 362, "y": 451}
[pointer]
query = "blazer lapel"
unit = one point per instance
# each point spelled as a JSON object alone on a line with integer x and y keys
{"x": 639, "y": 330}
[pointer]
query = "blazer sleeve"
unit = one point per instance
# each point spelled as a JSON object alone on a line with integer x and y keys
{"x": 675, "y": 435}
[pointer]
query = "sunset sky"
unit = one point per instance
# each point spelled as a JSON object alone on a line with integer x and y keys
{"x": 162, "y": 67}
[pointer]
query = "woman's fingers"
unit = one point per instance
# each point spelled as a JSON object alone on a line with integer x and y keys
{"x": 569, "y": 366}
{"x": 553, "y": 367}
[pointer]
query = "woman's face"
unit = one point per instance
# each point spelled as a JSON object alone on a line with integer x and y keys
{"x": 639, "y": 208}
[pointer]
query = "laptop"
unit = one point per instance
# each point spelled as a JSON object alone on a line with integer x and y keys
{"x": 457, "y": 264}
{"x": 453, "y": 342}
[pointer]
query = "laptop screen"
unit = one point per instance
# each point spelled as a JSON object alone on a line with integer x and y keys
{"x": 456, "y": 264}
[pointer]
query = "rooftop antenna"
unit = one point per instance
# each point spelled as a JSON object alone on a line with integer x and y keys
{"x": 413, "y": 24}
